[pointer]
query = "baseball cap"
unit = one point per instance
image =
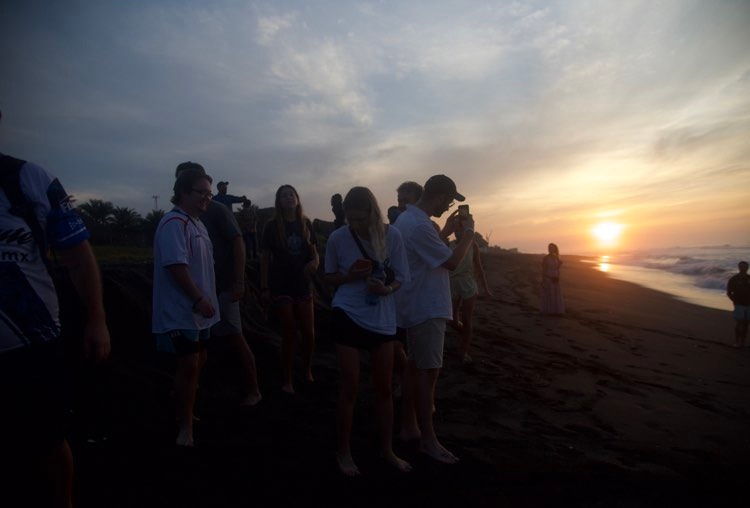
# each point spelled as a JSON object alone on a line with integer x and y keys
{"x": 441, "y": 184}
{"x": 188, "y": 166}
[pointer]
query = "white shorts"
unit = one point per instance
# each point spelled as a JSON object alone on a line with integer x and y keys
{"x": 425, "y": 342}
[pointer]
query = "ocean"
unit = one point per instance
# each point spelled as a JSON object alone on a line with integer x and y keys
{"x": 694, "y": 274}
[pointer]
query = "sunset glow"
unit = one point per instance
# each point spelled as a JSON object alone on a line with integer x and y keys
{"x": 607, "y": 233}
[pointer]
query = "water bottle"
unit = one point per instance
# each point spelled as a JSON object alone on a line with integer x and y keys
{"x": 377, "y": 273}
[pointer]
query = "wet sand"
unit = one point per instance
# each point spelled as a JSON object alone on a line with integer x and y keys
{"x": 631, "y": 399}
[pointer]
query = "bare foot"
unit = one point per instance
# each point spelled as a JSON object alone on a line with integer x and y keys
{"x": 309, "y": 377}
{"x": 437, "y": 452}
{"x": 185, "y": 438}
{"x": 347, "y": 465}
{"x": 467, "y": 360}
{"x": 288, "y": 389}
{"x": 400, "y": 464}
{"x": 407, "y": 435}
{"x": 251, "y": 399}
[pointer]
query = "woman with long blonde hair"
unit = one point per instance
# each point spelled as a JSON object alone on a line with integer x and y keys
{"x": 364, "y": 316}
{"x": 288, "y": 261}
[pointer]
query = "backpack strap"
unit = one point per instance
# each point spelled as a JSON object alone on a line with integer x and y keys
{"x": 20, "y": 206}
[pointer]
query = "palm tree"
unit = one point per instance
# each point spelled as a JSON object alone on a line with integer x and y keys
{"x": 125, "y": 223}
{"x": 150, "y": 223}
{"x": 97, "y": 215}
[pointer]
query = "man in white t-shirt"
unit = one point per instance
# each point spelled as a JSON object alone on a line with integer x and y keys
{"x": 185, "y": 303}
{"x": 424, "y": 306}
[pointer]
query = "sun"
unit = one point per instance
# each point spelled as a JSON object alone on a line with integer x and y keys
{"x": 608, "y": 233}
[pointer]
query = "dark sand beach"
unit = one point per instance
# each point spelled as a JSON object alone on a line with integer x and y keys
{"x": 631, "y": 399}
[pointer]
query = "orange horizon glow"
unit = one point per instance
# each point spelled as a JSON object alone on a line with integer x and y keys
{"x": 607, "y": 233}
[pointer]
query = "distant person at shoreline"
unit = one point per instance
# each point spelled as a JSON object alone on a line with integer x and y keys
{"x": 468, "y": 280}
{"x": 227, "y": 199}
{"x": 364, "y": 316}
{"x": 337, "y": 207}
{"x": 424, "y": 306}
{"x": 229, "y": 273}
{"x": 184, "y": 295}
{"x": 35, "y": 213}
{"x": 288, "y": 261}
{"x": 738, "y": 290}
{"x": 552, "y": 298}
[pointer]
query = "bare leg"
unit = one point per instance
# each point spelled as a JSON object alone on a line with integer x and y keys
{"x": 348, "y": 386}
{"x": 186, "y": 385}
{"x": 288, "y": 345}
{"x": 429, "y": 444}
{"x": 467, "y": 313}
{"x": 382, "y": 369}
{"x": 240, "y": 349}
{"x": 409, "y": 427}
{"x": 457, "y": 322}
{"x": 740, "y": 333}
{"x": 399, "y": 363}
{"x": 58, "y": 469}
{"x": 305, "y": 315}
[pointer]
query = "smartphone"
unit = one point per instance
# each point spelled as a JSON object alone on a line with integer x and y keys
{"x": 463, "y": 211}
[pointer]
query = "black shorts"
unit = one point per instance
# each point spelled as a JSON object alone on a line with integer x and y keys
{"x": 34, "y": 397}
{"x": 348, "y": 333}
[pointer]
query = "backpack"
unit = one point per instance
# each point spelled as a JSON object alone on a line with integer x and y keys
{"x": 20, "y": 206}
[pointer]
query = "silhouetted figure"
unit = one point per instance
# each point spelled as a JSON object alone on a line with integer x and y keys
{"x": 424, "y": 305}
{"x": 738, "y": 290}
{"x": 467, "y": 282}
{"x": 227, "y": 199}
{"x": 288, "y": 261}
{"x": 337, "y": 207}
{"x": 552, "y": 298}
{"x": 393, "y": 213}
{"x": 248, "y": 221}
{"x": 35, "y": 213}
{"x": 364, "y": 316}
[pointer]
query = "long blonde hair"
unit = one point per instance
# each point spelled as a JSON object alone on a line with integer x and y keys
{"x": 360, "y": 198}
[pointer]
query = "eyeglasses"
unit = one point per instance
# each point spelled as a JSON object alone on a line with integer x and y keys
{"x": 450, "y": 205}
{"x": 203, "y": 193}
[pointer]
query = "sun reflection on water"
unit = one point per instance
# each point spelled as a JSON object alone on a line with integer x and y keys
{"x": 603, "y": 265}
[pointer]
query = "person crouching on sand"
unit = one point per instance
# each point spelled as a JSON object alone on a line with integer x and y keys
{"x": 364, "y": 316}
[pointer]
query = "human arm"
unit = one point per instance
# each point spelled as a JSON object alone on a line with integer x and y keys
{"x": 312, "y": 266}
{"x": 463, "y": 245}
{"x": 84, "y": 274}
{"x": 201, "y": 304}
{"x": 479, "y": 272}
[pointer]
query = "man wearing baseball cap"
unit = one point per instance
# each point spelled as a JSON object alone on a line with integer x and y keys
{"x": 424, "y": 306}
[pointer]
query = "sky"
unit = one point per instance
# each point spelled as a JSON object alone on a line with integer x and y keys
{"x": 551, "y": 117}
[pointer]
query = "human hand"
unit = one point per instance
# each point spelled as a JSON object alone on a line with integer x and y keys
{"x": 451, "y": 224}
{"x": 377, "y": 286}
{"x": 204, "y": 308}
{"x": 467, "y": 222}
{"x": 360, "y": 269}
{"x": 238, "y": 291}
{"x": 96, "y": 341}
{"x": 311, "y": 267}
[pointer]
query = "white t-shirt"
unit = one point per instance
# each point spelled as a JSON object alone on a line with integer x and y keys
{"x": 428, "y": 294}
{"x": 341, "y": 253}
{"x": 182, "y": 240}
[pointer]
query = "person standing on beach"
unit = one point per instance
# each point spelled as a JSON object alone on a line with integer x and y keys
{"x": 424, "y": 306}
{"x": 466, "y": 282}
{"x": 288, "y": 261}
{"x": 364, "y": 316}
{"x": 738, "y": 290}
{"x": 229, "y": 274}
{"x": 35, "y": 213}
{"x": 552, "y": 299}
{"x": 184, "y": 295}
